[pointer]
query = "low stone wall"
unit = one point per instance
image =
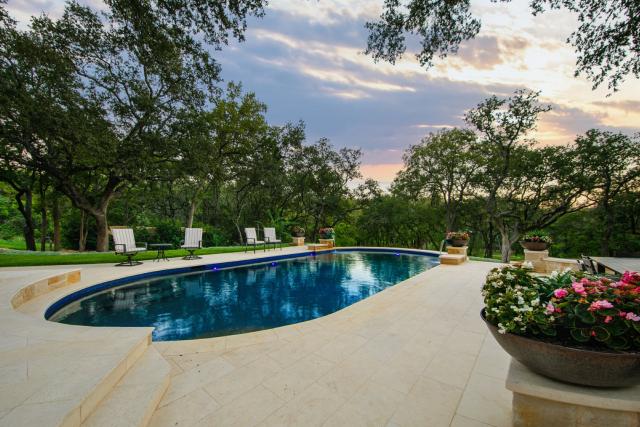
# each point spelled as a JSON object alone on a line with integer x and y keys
{"x": 43, "y": 286}
{"x": 543, "y": 263}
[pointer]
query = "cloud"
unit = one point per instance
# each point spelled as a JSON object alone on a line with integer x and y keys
{"x": 628, "y": 106}
{"x": 485, "y": 52}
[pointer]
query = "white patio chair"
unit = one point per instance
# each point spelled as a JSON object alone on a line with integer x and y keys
{"x": 192, "y": 242}
{"x": 252, "y": 239}
{"x": 125, "y": 244}
{"x": 270, "y": 237}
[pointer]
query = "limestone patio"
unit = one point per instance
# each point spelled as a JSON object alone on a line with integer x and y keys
{"x": 414, "y": 354}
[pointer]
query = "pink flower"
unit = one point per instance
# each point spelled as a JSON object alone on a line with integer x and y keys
{"x": 579, "y": 288}
{"x": 608, "y": 319}
{"x": 550, "y": 309}
{"x": 560, "y": 293}
{"x": 600, "y": 305}
{"x": 633, "y": 316}
{"x": 631, "y": 277}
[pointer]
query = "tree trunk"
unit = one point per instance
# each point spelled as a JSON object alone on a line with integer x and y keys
{"x": 56, "y": 224}
{"x": 102, "y": 230}
{"x": 488, "y": 243}
{"x": 27, "y": 212}
{"x": 605, "y": 246}
{"x": 84, "y": 231}
{"x": 44, "y": 226}
{"x": 240, "y": 238}
{"x": 192, "y": 212}
{"x": 505, "y": 246}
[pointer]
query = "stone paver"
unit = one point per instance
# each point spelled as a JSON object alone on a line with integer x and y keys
{"x": 416, "y": 354}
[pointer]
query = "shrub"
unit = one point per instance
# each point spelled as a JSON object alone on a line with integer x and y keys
{"x": 297, "y": 231}
{"x": 537, "y": 236}
{"x": 327, "y": 233}
{"x": 458, "y": 235}
{"x": 568, "y": 308}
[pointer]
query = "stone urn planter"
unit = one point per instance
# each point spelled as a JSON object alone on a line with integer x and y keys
{"x": 458, "y": 243}
{"x": 572, "y": 365}
{"x": 534, "y": 246}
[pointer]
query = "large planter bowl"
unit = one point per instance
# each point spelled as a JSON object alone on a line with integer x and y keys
{"x": 571, "y": 365}
{"x": 534, "y": 246}
{"x": 458, "y": 243}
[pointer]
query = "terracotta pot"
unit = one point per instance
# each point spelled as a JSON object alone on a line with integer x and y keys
{"x": 572, "y": 365}
{"x": 458, "y": 243}
{"x": 534, "y": 246}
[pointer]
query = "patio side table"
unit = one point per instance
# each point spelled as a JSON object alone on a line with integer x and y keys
{"x": 161, "y": 248}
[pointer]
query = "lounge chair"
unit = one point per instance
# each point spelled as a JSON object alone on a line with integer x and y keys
{"x": 192, "y": 242}
{"x": 125, "y": 244}
{"x": 252, "y": 239}
{"x": 270, "y": 238}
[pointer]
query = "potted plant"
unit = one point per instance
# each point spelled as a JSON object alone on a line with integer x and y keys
{"x": 458, "y": 238}
{"x": 536, "y": 241}
{"x": 297, "y": 231}
{"x": 568, "y": 326}
{"x": 327, "y": 233}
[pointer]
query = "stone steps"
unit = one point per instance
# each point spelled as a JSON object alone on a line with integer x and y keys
{"x": 133, "y": 400}
{"x": 452, "y": 259}
{"x": 454, "y": 255}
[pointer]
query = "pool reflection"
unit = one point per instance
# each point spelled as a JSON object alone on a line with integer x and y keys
{"x": 225, "y": 302}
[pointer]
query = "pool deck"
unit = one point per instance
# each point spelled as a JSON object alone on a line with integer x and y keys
{"x": 415, "y": 354}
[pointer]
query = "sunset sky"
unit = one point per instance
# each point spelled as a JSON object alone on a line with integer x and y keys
{"x": 304, "y": 60}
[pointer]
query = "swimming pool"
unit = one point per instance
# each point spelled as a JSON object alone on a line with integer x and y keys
{"x": 216, "y": 301}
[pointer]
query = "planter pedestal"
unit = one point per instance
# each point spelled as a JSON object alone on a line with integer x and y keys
{"x": 455, "y": 255}
{"x": 540, "y": 401}
{"x": 297, "y": 241}
{"x": 537, "y": 259}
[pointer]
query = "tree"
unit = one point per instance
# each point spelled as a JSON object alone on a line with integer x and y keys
{"x": 90, "y": 99}
{"x": 607, "y": 40}
{"x": 443, "y": 164}
{"x": 503, "y": 125}
{"x": 543, "y": 184}
{"x": 212, "y": 141}
{"x": 321, "y": 183}
{"x": 611, "y": 163}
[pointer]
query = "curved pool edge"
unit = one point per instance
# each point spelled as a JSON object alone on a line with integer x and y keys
{"x": 221, "y": 265}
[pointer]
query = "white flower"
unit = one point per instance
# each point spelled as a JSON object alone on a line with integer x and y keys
{"x": 501, "y": 328}
{"x": 535, "y": 302}
{"x": 528, "y": 265}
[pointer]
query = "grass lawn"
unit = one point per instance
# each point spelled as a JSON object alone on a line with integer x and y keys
{"x": 15, "y": 244}
{"x": 53, "y": 258}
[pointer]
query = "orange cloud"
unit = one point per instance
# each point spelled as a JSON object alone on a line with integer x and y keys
{"x": 384, "y": 172}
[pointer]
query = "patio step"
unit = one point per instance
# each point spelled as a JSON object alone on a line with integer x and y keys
{"x": 133, "y": 400}
{"x": 452, "y": 259}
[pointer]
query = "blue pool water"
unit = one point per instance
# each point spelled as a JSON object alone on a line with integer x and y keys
{"x": 242, "y": 299}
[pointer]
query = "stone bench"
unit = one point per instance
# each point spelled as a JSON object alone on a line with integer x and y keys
{"x": 541, "y": 401}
